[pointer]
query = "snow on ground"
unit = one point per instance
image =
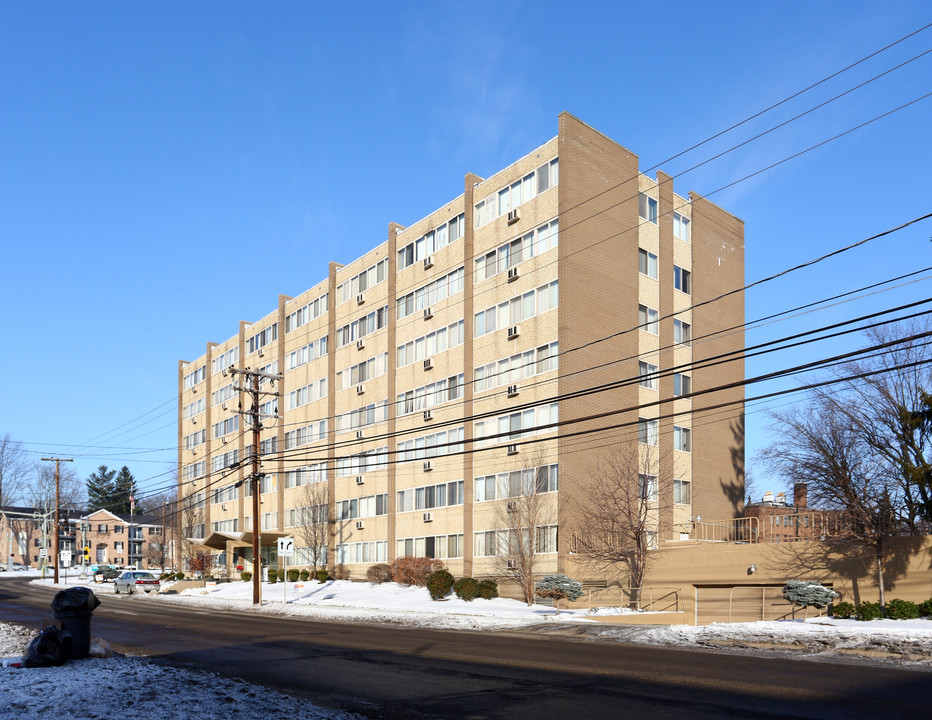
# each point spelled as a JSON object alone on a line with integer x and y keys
{"x": 124, "y": 684}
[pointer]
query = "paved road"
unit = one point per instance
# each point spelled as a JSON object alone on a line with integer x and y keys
{"x": 389, "y": 673}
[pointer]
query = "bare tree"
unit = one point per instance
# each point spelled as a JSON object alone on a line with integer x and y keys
{"x": 819, "y": 445}
{"x": 14, "y": 469}
{"x": 192, "y": 518}
{"x": 313, "y": 522}
{"x": 40, "y": 492}
{"x": 526, "y": 521}
{"x": 619, "y": 511}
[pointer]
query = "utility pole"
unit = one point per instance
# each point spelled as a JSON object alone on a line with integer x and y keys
{"x": 57, "y": 462}
{"x": 253, "y": 416}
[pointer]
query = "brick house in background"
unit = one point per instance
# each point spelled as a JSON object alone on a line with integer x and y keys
{"x": 124, "y": 540}
{"x": 782, "y": 521}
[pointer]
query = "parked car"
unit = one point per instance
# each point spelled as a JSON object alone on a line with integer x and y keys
{"x": 106, "y": 573}
{"x": 136, "y": 580}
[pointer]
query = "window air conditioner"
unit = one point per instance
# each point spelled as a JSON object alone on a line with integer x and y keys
{"x": 194, "y": 421}
{"x": 514, "y": 215}
{"x": 512, "y": 390}
{"x": 514, "y": 331}
{"x": 428, "y": 415}
{"x": 512, "y": 507}
{"x": 360, "y": 344}
{"x": 512, "y": 449}
{"x": 428, "y": 466}
{"x": 361, "y": 298}
{"x": 428, "y": 313}
{"x": 223, "y": 507}
{"x": 428, "y": 364}
{"x": 360, "y": 480}
{"x": 512, "y": 274}
{"x": 360, "y": 389}
{"x": 511, "y": 565}
{"x": 223, "y": 406}
{"x": 428, "y": 262}
{"x": 428, "y": 517}
{"x": 359, "y": 435}
{"x": 360, "y": 524}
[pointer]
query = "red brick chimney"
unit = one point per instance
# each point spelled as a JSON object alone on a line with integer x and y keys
{"x": 800, "y": 491}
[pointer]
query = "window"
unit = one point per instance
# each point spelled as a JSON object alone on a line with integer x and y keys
{"x": 311, "y": 351}
{"x": 508, "y": 428}
{"x": 517, "y": 193}
{"x": 508, "y": 371}
{"x": 647, "y": 263}
{"x": 430, "y": 446}
{"x": 438, "y": 546}
{"x": 647, "y": 319}
{"x": 517, "y": 309}
{"x": 681, "y": 279}
{"x": 432, "y": 241}
{"x": 647, "y": 487}
{"x": 430, "y": 294}
{"x": 308, "y": 393}
{"x": 647, "y": 207}
{"x": 363, "y": 416}
{"x": 681, "y": 439}
{"x": 263, "y": 338}
{"x": 543, "y": 479}
{"x": 306, "y": 475}
{"x": 682, "y": 385}
{"x": 682, "y": 492}
{"x": 682, "y": 332}
{"x": 430, "y": 395}
{"x": 302, "y": 315}
{"x": 224, "y": 360}
{"x": 306, "y": 435}
{"x": 224, "y": 427}
{"x": 361, "y": 372}
{"x": 365, "y": 325}
{"x": 430, "y": 496}
{"x": 363, "y": 281}
{"x": 647, "y": 373}
{"x": 681, "y": 227}
{"x": 429, "y": 345}
{"x": 362, "y": 552}
{"x": 647, "y": 431}
{"x": 192, "y": 379}
{"x": 510, "y": 254}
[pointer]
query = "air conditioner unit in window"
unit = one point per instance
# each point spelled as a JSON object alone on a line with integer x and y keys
{"x": 428, "y": 466}
{"x": 223, "y": 507}
{"x": 223, "y": 440}
{"x": 514, "y": 331}
{"x": 512, "y": 274}
{"x": 360, "y": 480}
{"x": 359, "y": 435}
{"x": 223, "y": 406}
{"x": 512, "y": 390}
{"x": 428, "y": 517}
{"x": 194, "y": 421}
{"x": 428, "y": 313}
{"x": 512, "y": 449}
{"x": 360, "y": 389}
{"x": 360, "y": 524}
{"x": 514, "y": 215}
{"x": 428, "y": 262}
{"x": 428, "y": 364}
{"x": 361, "y": 298}
{"x": 360, "y": 344}
{"x": 511, "y": 565}
{"x": 428, "y": 415}
{"x": 261, "y": 354}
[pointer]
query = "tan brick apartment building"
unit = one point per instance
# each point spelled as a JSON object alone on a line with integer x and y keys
{"x": 458, "y": 351}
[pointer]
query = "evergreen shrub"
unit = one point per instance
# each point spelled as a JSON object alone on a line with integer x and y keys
{"x": 379, "y": 573}
{"x": 466, "y": 588}
{"x": 488, "y": 589}
{"x": 902, "y": 610}
{"x": 304, "y": 575}
{"x": 439, "y": 584}
{"x": 293, "y": 574}
{"x": 869, "y": 611}
{"x": 805, "y": 594}
{"x": 925, "y": 608}
{"x": 558, "y": 587}
{"x": 843, "y": 610}
{"x": 179, "y": 575}
{"x": 340, "y": 572}
{"x": 246, "y": 576}
{"x": 322, "y": 576}
{"x": 273, "y": 575}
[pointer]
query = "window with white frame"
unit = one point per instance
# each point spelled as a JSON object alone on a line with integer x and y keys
{"x": 199, "y": 437}
{"x": 362, "y": 417}
{"x": 362, "y": 552}
{"x": 224, "y": 461}
{"x": 428, "y": 497}
{"x": 647, "y": 431}
{"x": 194, "y": 470}
{"x": 510, "y": 370}
{"x": 360, "y": 463}
{"x": 225, "y": 427}
{"x": 647, "y": 319}
{"x": 514, "y": 426}
{"x": 304, "y": 314}
{"x": 367, "y": 324}
{"x": 681, "y": 227}
{"x": 682, "y": 279}
{"x": 647, "y": 207}
{"x": 681, "y": 439}
{"x": 445, "y": 442}
{"x": 431, "y": 241}
{"x": 647, "y": 487}
{"x": 225, "y": 526}
{"x": 682, "y": 332}
{"x": 368, "y": 278}
{"x": 309, "y": 393}
{"x": 682, "y": 385}
{"x": 430, "y": 294}
{"x": 429, "y": 345}
{"x": 269, "y": 521}
{"x": 229, "y": 493}
{"x": 309, "y": 474}
{"x": 517, "y": 193}
{"x": 306, "y": 435}
{"x": 193, "y": 378}
{"x": 647, "y": 263}
{"x": 517, "y": 309}
{"x": 363, "y": 371}
{"x": 428, "y": 396}
{"x": 192, "y": 409}
{"x": 224, "y": 360}
{"x": 364, "y": 507}
{"x": 532, "y": 244}
{"x": 682, "y": 492}
{"x": 434, "y": 546}
{"x": 262, "y": 338}
{"x": 307, "y": 515}
{"x": 517, "y": 483}
{"x": 647, "y": 375}
{"x": 303, "y": 355}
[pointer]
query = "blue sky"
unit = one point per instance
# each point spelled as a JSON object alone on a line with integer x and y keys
{"x": 138, "y": 139}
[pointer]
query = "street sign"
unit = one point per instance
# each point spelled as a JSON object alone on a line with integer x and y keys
{"x": 65, "y": 556}
{"x": 43, "y": 552}
{"x": 286, "y": 547}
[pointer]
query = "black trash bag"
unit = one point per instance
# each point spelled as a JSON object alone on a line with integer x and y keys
{"x": 47, "y": 649}
{"x": 75, "y": 598}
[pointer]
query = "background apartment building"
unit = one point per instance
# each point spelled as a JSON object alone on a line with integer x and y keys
{"x": 549, "y": 318}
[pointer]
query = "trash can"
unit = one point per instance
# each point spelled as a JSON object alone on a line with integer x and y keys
{"x": 73, "y": 608}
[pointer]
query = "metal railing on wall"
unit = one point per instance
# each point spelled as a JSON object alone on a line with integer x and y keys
{"x": 652, "y": 599}
{"x": 765, "y": 602}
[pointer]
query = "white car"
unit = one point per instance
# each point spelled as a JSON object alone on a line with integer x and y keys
{"x": 136, "y": 580}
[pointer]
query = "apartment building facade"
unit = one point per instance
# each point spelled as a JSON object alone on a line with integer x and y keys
{"x": 551, "y": 316}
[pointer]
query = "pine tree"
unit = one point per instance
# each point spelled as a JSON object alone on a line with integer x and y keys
{"x": 101, "y": 489}
{"x": 124, "y": 487}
